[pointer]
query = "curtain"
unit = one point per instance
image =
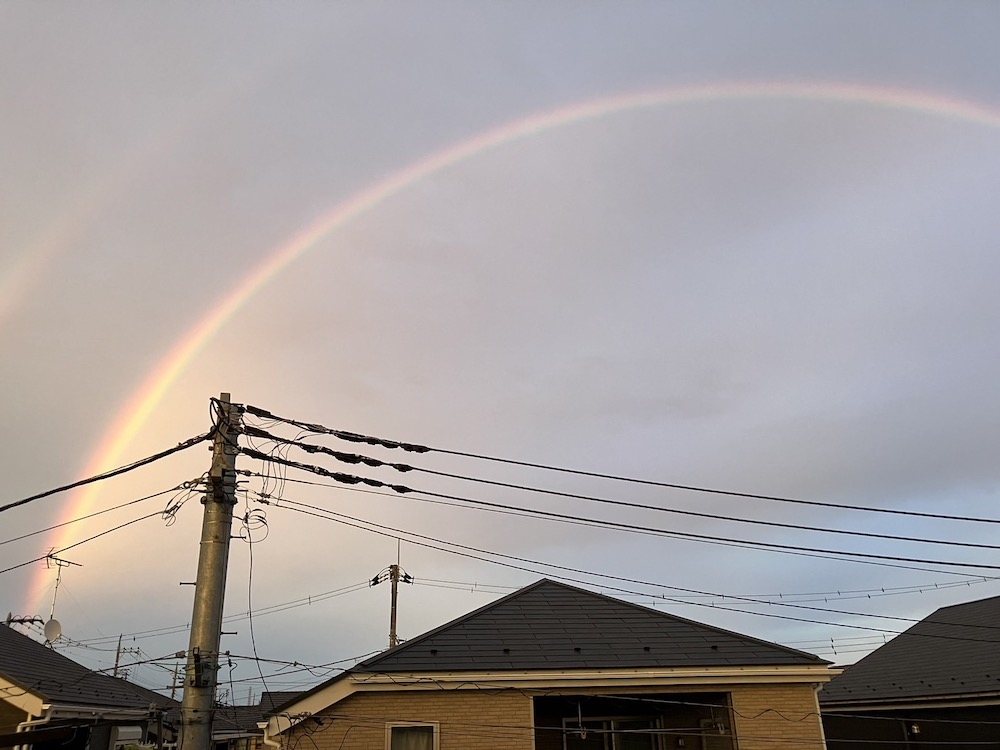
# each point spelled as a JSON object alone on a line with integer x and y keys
{"x": 412, "y": 738}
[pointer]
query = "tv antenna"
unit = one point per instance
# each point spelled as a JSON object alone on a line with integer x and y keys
{"x": 53, "y": 629}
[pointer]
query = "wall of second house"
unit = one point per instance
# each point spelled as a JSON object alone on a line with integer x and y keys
{"x": 10, "y": 717}
{"x": 848, "y": 729}
{"x": 768, "y": 716}
{"x": 468, "y": 720}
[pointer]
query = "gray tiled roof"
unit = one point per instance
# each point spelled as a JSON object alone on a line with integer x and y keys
{"x": 550, "y": 625}
{"x": 953, "y": 652}
{"x": 58, "y": 679}
{"x": 269, "y": 700}
{"x": 244, "y": 719}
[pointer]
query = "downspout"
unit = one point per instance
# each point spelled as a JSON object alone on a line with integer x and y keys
{"x": 819, "y": 714}
{"x": 45, "y": 718}
{"x": 268, "y": 742}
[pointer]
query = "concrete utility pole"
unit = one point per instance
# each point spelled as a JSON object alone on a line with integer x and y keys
{"x": 118, "y": 655}
{"x": 394, "y": 574}
{"x": 394, "y": 577}
{"x": 201, "y": 674}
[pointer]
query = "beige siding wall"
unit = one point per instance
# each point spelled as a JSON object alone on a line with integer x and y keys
{"x": 766, "y": 717}
{"x": 469, "y": 719}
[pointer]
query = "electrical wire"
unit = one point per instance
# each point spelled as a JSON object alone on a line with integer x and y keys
{"x": 404, "y": 490}
{"x": 411, "y": 447}
{"x": 91, "y": 515}
{"x": 354, "y": 459}
{"x": 114, "y": 472}
{"x": 248, "y": 525}
{"x": 82, "y": 541}
{"x": 476, "y": 553}
{"x": 239, "y": 616}
{"x": 966, "y": 578}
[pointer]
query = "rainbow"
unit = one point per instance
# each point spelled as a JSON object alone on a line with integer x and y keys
{"x": 131, "y": 418}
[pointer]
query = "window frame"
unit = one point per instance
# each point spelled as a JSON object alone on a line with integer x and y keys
{"x": 434, "y": 725}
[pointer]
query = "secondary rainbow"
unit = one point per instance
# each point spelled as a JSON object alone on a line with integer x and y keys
{"x": 112, "y": 449}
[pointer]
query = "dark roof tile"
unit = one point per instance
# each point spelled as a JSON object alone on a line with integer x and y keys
{"x": 58, "y": 679}
{"x": 949, "y": 653}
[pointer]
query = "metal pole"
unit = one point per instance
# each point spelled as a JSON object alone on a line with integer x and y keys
{"x": 201, "y": 673}
{"x": 394, "y": 577}
{"x": 118, "y": 655}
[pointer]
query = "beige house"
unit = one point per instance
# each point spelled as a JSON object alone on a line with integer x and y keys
{"x": 555, "y": 667}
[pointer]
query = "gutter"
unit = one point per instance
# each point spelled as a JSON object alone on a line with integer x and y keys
{"x": 52, "y": 711}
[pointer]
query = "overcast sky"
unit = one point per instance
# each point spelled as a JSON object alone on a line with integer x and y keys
{"x": 790, "y": 294}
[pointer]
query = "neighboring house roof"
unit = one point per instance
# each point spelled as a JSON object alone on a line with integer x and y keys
{"x": 270, "y": 700}
{"x": 243, "y": 720}
{"x": 551, "y": 625}
{"x": 953, "y": 653}
{"x": 57, "y": 679}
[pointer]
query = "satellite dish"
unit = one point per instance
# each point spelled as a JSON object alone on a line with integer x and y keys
{"x": 52, "y": 630}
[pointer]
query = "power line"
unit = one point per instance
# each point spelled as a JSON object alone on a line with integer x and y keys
{"x": 82, "y": 541}
{"x": 404, "y": 490}
{"x": 967, "y": 578}
{"x": 238, "y": 616}
{"x": 183, "y": 486}
{"x": 411, "y": 447}
{"x": 474, "y": 553}
{"x": 113, "y": 473}
{"x": 354, "y": 459}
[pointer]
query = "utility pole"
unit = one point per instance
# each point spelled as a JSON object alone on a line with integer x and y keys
{"x": 173, "y": 682}
{"x": 394, "y": 574}
{"x": 201, "y": 673}
{"x": 394, "y": 577}
{"x": 118, "y": 655}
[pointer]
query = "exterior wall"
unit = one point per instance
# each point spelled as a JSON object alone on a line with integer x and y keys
{"x": 766, "y": 716}
{"x": 763, "y": 716}
{"x": 469, "y": 720}
{"x": 10, "y": 717}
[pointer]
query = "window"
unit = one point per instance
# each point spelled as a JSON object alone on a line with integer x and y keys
{"x": 411, "y": 736}
{"x": 610, "y": 734}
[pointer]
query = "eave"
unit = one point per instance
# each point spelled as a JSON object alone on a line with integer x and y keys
{"x": 21, "y": 697}
{"x": 912, "y": 702}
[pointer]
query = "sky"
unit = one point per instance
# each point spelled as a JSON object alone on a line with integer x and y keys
{"x": 750, "y": 248}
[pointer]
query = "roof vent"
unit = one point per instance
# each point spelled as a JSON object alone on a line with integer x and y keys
{"x": 506, "y": 650}
{"x": 646, "y": 649}
{"x": 577, "y": 649}
{"x": 434, "y": 652}
{"x": 715, "y": 647}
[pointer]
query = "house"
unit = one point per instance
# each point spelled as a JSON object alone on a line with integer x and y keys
{"x": 935, "y": 685}
{"x": 553, "y": 666}
{"x": 48, "y": 700}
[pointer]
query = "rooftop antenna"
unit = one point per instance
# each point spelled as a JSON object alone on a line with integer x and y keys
{"x": 53, "y": 630}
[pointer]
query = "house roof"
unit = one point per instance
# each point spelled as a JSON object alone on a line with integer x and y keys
{"x": 952, "y": 653}
{"x": 270, "y": 700}
{"x": 244, "y": 719}
{"x": 58, "y": 679}
{"x": 552, "y": 625}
